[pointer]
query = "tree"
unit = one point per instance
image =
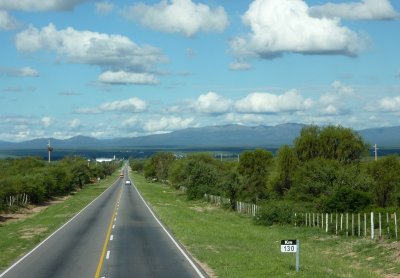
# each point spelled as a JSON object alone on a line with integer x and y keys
{"x": 254, "y": 166}
{"x": 331, "y": 142}
{"x": 385, "y": 173}
{"x": 286, "y": 163}
{"x": 157, "y": 166}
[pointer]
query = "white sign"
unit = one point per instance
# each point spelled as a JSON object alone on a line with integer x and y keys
{"x": 289, "y": 246}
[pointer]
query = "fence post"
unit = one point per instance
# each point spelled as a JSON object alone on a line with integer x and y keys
{"x": 341, "y": 222}
{"x": 387, "y": 222}
{"x": 380, "y": 226}
{"x": 336, "y": 223}
{"x": 322, "y": 220}
{"x": 352, "y": 224}
{"x": 372, "y": 225}
{"x": 395, "y": 224}
{"x": 326, "y": 217}
{"x": 359, "y": 227}
{"x": 365, "y": 224}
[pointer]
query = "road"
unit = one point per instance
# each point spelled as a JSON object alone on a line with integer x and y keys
{"x": 117, "y": 235}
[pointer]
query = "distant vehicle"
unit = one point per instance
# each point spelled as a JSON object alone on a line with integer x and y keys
{"x": 128, "y": 182}
{"x": 121, "y": 175}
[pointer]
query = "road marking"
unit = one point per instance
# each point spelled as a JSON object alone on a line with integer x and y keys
{"x": 56, "y": 231}
{"x": 108, "y": 255}
{"x": 115, "y": 219}
{"x": 172, "y": 239}
{"x": 113, "y": 226}
{"x": 110, "y": 227}
{"x": 111, "y": 237}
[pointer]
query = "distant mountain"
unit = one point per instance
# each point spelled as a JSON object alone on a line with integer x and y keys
{"x": 211, "y": 136}
{"x": 388, "y": 137}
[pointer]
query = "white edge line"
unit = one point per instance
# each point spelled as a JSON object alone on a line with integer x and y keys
{"x": 40, "y": 244}
{"x": 171, "y": 237}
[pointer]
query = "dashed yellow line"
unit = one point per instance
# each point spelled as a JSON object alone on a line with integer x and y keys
{"x": 103, "y": 252}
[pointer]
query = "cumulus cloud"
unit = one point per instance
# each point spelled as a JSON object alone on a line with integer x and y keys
{"x": 7, "y": 22}
{"x": 212, "y": 103}
{"x": 245, "y": 119}
{"x": 22, "y": 72}
{"x": 179, "y": 16}
{"x": 334, "y": 102}
{"x": 387, "y": 104}
{"x": 132, "y": 105}
{"x": 125, "y": 61}
{"x": 166, "y": 124}
{"x": 238, "y": 65}
{"x": 279, "y": 26}
{"x": 75, "y": 124}
{"x": 123, "y": 77}
{"x": 47, "y": 121}
{"x": 266, "y": 103}
{"x": 104, "y": 8}
{"x": 363, "y": 10}
{"x": 42, "y": 5}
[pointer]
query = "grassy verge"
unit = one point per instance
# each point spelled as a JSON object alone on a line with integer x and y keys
{"x": 232, "y": 246}
{"x": 16, "y": 238}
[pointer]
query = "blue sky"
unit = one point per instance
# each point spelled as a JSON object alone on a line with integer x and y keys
{"x": 131, "y": 68}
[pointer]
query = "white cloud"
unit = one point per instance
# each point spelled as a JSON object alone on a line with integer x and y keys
{"x": 165, "y": 124}
{"x": 212, "y": 103}
{"x": 363, "y": 10}
{"x": 267, "y": 103}
{"x": 334, "y": 103}
{"x": 42, "y": 5}
{"x": 47, "y": 121}
{"x": 21, "y": 72}
{"x": 104, "y": 8}
{"x": 112, "y": 52}
{"x": 239, "y": 66}
{"x": 179, "y": 16}
{"x": 245, "y": 119}
{"x": 7, "y": 22}
{"x": 75, "y": 124}
{"x": 386, "y": 104}
{"x": 279, "y": 26}
{"x": 123, "y": 77}
{"x": 134, "y": 104}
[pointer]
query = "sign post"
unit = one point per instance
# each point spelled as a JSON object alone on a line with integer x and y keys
{"x": 292, "y": 246}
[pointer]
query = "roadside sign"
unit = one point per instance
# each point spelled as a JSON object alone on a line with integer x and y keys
{"x": 289, "y": 246}
{"x": 292, "y": 246}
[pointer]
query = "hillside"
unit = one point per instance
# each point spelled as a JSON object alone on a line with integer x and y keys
{"x": 211, "y": 136}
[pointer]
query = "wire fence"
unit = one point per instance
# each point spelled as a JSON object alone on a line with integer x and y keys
{"x": 375, "y": 225}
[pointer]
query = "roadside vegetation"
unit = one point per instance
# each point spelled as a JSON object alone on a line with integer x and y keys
{"x": 326, "y": 170}
{"x": 20, "y": 235}
{"x": 32, "y": 180}
{"x": 231, "y": 245}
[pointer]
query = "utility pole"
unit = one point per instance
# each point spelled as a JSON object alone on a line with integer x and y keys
{"x": 376, "y": 152}
{"x": 49, "y": 149}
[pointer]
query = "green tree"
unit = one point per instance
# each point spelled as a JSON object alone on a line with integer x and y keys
{"x": 286, "y": 162}
{"x": 385, "y": 173}
{"x": 255, "y": 166}
{"x": 157, "y": 166}
{"x": 331, "y": 142}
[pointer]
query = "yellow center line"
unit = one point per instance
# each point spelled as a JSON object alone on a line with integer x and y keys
{"x": 103, "y": 252}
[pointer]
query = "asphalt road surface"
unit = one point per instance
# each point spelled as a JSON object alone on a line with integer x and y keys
{"x": 117, "y": 235}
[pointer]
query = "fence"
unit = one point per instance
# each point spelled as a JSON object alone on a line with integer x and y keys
{"x": 373, "y": 225}
{"x": 15, "y": 200}
{"x": 240, "y": 207}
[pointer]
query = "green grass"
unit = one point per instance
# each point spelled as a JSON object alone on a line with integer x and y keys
{"x": 18, "y": 237}
{"x": 233, "y": 246}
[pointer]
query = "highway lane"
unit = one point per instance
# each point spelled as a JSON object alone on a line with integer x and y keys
{"x": 115, "y": 236}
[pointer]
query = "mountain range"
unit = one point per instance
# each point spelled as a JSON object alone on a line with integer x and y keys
{"x": 211, "y": 136}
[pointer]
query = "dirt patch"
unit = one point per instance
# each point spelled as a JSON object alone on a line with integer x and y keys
{"x": 31, "y": 232}
{"x": 30, "y": 210}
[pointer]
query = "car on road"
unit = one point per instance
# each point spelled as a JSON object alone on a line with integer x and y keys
{"x": 128, "y": 182}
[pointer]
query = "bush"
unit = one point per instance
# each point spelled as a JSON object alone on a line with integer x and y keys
{"x": 276, "y": 212}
